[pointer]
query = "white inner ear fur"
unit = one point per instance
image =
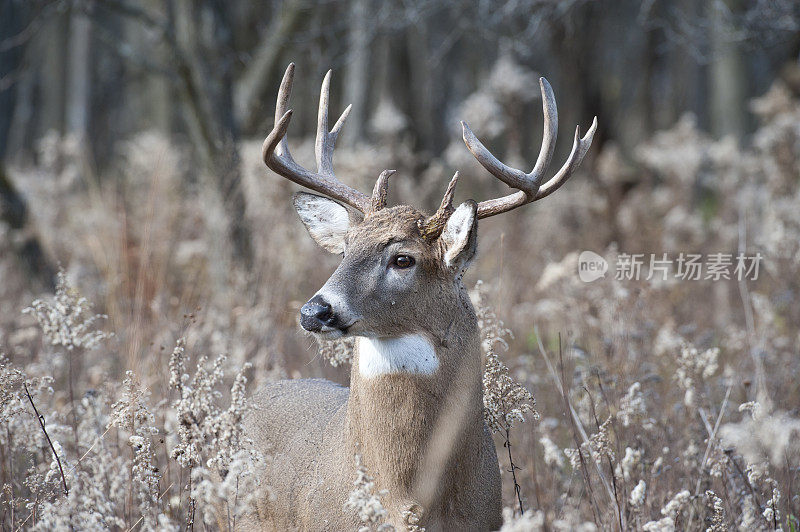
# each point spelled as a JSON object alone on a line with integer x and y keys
{"x": 457, "y": 232}
{"x": 326, "y": 221}
{"x": 411, "y": 353}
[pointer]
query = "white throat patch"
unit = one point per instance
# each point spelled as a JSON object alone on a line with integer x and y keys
{"x": 412, "y": 353}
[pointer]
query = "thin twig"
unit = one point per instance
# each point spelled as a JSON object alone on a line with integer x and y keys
{"x": 623, "y": 517}
{"x": 608, "y": 458}
{"x": 732, "y": 458}
{"x": 96, "y": 441}
{"x": 517, "y": 488}
{"x": 10, "y": 473}
{"x": 744, "y": 294}
{"x": 41, "y": 423}
{"x": 572, "y": 414}
{"x": 159, "y": 498}
{"x": 584, "y": 469}
{"x": 712, "y": 434}
{"x": 190, "y": 510}
{"x": 70, "y": 377}
{"x": 537, "y": 488}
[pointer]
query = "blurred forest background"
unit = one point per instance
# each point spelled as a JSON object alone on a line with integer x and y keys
{"x": 203, "y": 75}
{"x": 130, "y": 136}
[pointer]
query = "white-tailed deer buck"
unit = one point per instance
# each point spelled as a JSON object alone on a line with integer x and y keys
{"x": 414, "y": 409}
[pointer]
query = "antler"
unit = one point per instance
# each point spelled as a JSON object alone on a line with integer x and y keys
{"x": 528, "y": 185}
{"x": 433, "y": 226}
{"x": 275, "y": 152}
{"x": 378, "y": 200}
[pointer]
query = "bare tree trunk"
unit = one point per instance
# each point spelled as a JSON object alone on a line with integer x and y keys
{"x": 684, "y": 87}
{"x": 51, "y": 76}
{"x": 727, "y": 76}
{"x": 17, "y": 106}
{"x": 356, "y": 74}
{"x": 13, "y": 17}
{"x": 573, "y": 51}
{"x": 77, "y": 114}
{"x": 151, "y": 98}
{"x": 422, "y": 76}
{"x": 13, "y": 208}
{"x": 208, "y": 97}
{"x": 78, "y": 75}
{"x": 249, "y": 91}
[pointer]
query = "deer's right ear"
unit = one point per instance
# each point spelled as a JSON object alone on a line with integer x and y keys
{"x": 326, "y": 220}
{"x": 460, "y": 236}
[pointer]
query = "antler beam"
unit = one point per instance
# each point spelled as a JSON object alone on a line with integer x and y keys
{"x": 277, "y": 157}
{"x": 529, "y": 185}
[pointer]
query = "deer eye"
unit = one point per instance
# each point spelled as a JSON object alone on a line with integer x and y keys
{"x": 403, "y": 261}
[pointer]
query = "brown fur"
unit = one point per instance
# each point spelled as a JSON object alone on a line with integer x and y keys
{"x": 422, "y": 437}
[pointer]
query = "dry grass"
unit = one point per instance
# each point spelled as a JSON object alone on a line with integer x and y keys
{"x": 638, "y": 383}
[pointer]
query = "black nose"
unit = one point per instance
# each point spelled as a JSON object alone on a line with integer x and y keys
{"x": 316, "y": 313}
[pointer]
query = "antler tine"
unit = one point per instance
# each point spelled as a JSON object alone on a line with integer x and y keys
{"x": 378, "y": 201}
{"x": 433, "y": 226}
{"x": 447, "y": 200}
{"x": 275, "y": 146}
{"x": 326, "y": 140}
{"x": 277, "y": 157}
{"x": 529, "y": 185}
{"x": 282, "y": 107}
{"x": 550, "y": 130}
{"x": 580, "y": 147}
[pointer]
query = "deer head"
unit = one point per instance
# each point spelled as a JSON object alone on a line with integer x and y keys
{"x": 401, "y": 270}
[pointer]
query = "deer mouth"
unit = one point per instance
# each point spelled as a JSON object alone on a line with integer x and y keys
{"x": 331, "y": 332}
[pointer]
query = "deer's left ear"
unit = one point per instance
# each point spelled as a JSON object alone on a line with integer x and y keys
{"x": 460, "y": 236}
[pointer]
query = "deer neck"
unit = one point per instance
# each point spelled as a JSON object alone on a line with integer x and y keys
{"x": 415, "y": 407}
